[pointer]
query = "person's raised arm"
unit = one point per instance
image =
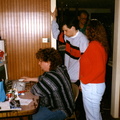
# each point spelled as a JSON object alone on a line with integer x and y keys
{"x": 54, "y": 14}
{"x": 55, "y": 27}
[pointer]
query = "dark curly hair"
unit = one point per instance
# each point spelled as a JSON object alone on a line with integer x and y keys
{"x": 96, "y": 31}
{"x": 49, "y": 55}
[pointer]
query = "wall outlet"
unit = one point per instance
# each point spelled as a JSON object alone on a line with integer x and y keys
{"x": 45, "y": 40}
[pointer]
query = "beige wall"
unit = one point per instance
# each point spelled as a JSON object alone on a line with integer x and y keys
{"x": 53, "y": 6}
{"x": 115, "y": 99}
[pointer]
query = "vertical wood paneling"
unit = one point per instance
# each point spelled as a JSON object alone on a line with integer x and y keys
{"x": 23, "y": 24}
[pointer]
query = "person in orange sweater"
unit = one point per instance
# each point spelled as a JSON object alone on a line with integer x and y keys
{"x": 93, "y": 69}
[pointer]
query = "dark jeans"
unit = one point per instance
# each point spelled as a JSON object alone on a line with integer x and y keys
{"x": 45, "y": 114}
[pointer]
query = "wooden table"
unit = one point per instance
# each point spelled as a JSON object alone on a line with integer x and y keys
{"x": 27, "y": 110}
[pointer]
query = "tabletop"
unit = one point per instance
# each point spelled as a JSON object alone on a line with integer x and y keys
{"x": 26, "y": 110}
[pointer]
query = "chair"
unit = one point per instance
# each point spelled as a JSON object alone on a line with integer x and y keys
{"x": 75, "y": 95}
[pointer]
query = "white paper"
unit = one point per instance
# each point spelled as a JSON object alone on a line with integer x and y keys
{"x": 25, "y": 101}
{"x": 4, "y": 105}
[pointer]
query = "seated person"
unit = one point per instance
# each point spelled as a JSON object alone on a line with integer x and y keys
{"x": 53, "y": 87}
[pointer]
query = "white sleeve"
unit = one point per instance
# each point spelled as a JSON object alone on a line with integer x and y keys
{"x": 55, "y": 29}
{"x": 84, "y": 44}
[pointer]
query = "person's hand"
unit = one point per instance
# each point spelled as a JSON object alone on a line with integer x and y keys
{"x": 54, "y": 14}
{"x": 80, "y": 88}
{"x": 26, "y": 79}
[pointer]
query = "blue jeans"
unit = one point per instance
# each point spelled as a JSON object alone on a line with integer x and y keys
{"x": 45, "y": 114}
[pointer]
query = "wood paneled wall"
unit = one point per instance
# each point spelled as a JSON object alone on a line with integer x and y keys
{"x": 23, "y": 24}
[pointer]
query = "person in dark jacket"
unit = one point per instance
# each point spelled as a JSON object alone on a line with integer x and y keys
{"x": 53, "y": 87}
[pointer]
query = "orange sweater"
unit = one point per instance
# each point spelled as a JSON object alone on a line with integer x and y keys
{"x": 93, "y": 64}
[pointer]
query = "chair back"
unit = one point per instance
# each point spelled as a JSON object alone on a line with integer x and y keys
{"x": 75, "y": 89}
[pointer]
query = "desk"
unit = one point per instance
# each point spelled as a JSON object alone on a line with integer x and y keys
{"x": 27, "y": 110}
